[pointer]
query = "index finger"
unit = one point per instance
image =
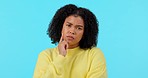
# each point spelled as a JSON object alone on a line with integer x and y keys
{"x": 62, "y": 38}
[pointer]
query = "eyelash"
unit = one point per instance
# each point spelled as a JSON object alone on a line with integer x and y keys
{"x": 68, "y": 25}
{"x": 79, "y": 28}
{"x": 76, "y": 28}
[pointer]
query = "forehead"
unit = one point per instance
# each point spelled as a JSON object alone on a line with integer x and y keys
{"x": 74, "y": 19}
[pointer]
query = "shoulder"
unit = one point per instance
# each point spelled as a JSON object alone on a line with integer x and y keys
{"x": 48, "y": 52}
{"x": 96, "y": 50}
{"x": 96, "y": 53}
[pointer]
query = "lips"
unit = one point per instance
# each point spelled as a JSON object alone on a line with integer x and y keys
{"x": 70, "y": 37}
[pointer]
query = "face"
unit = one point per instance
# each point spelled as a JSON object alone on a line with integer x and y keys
{"x": 73, "y": 29}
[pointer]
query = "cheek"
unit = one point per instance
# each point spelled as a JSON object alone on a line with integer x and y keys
{"x": 63, "y": 30}
{"x": 80, "y": 35}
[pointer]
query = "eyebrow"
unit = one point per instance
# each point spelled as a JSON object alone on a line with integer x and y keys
{"x": 76, "y": 25}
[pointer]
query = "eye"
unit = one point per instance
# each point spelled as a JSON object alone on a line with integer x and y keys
{"x": 79, "y": 28}
{"x": 68, "y": 25}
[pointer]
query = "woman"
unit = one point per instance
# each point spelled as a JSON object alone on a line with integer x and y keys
{"x": 75, "y": 29}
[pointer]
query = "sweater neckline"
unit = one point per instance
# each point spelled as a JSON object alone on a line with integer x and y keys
{"x": 73, "y": 51}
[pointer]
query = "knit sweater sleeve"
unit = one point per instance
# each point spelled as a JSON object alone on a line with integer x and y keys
{"x": 46, "y": 67}
{"x": 98, "y": 65}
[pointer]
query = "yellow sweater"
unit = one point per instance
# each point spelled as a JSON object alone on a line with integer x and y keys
{"x": 78, "y": 63}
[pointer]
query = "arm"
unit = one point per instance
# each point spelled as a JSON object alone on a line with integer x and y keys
{"x": 46, "y": 68}
{"x": 98, "y": 65}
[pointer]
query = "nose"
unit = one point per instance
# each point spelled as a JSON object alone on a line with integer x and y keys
{"x": 72, "y": 31}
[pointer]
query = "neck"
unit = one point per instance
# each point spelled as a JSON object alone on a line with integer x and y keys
{"x": 72, "y": 46}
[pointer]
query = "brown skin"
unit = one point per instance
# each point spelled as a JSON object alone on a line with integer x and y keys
{"x": 72, "y": 33}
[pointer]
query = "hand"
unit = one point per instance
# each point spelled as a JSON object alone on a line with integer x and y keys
{"x": 62, "y": 46}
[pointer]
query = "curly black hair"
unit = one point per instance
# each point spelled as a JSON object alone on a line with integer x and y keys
{"x": 91, "y": 25}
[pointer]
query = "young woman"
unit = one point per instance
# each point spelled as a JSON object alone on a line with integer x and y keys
{"x": 75, "y": 30}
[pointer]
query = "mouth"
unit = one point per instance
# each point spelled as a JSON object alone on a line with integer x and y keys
{"x": 70, "y": 37}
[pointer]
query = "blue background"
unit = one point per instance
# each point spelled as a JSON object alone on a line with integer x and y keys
{"x": 123, "y": 35}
